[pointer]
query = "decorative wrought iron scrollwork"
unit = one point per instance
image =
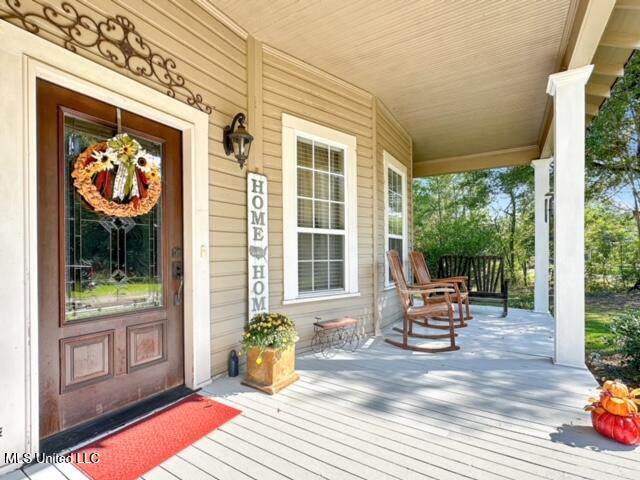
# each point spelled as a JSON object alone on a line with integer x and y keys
{"x": 115, "y": 39}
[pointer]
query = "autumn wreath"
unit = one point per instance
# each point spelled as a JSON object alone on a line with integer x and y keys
{"x": 118, "y": 177}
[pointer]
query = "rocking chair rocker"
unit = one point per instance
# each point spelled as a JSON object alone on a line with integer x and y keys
{"x": 434, "y": 306}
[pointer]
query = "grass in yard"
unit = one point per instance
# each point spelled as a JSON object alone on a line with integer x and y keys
{"x": 597, "y": 331}
{"x": 601, "y": 310}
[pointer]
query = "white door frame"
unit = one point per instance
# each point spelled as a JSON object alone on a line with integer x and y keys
{"x": 25, "y": 57}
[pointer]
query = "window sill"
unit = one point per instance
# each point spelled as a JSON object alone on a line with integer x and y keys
{"x": 320, "y": 298}
{"x": 389, "y": 287}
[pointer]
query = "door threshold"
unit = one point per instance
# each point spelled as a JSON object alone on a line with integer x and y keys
{"x": 76, "y": 437}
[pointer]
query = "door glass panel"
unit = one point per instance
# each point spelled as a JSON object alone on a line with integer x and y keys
{"x": 112, "y": 265}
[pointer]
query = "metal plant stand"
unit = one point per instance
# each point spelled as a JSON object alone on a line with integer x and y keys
{"x": 333, "y": 335}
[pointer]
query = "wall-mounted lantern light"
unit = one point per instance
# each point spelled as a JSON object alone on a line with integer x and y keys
{"x": 237, "y": 140}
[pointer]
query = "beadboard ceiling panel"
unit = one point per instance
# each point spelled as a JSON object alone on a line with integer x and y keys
{"x": 463, "y": 77}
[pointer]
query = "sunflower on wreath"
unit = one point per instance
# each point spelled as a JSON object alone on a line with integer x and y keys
{"x": 118, "y": 177}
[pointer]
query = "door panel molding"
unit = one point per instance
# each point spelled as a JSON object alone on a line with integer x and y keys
{"x": 146, "y": 344}
{"x": 86, "y": 360}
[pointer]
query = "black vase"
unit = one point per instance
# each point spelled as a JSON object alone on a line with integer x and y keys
{"x": 233, "y": 364}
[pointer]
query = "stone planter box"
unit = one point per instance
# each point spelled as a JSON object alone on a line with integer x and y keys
{"x": 277, "y": 370}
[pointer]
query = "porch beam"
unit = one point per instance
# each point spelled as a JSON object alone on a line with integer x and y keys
{"x": 509, "y": 157}
{"x": 621, "y": 40}
{"x": 590, "y": 24}
{"x": 609, "y": 69}
{"x": 542, "y": 170}
{"x": 628, "y": 5}
{"x": 598, "y": 90}
{"x": 568, "y": 90}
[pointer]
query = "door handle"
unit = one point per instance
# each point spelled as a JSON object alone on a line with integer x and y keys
{"x": 177, "y": 298}
{"x": 179, "y": 274}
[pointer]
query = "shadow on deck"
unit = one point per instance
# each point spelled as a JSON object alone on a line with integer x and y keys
{"x": 498, "y": 408}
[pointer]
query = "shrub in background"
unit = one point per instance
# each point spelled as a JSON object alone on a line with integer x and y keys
{"x": 626, "y": 338}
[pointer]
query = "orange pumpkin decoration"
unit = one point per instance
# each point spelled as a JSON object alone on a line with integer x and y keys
{"x": 616, "y": 388}
{"x": 615, "y": 414}
{"x": 621, "y": 429}
{"x": 618, "y": 406}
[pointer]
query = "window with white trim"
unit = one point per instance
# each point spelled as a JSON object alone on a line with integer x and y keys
{"x": 395, "y": 211}
{"x": 319, "y": 218}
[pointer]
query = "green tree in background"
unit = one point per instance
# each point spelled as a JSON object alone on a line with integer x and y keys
{"x": 610, "y": 246}
{"x": 452, "y": 216}
{"x": 613, "y": 158}
{"x": 517, "y": 185}
{"x": 477, "y": 213}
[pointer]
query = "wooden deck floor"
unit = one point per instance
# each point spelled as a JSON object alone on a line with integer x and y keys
{"x": 497, "y": 408}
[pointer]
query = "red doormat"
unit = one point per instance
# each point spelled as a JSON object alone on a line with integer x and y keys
{"x": 144, "y": 445}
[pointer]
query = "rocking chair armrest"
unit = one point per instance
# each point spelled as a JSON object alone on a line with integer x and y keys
{"x": 444, "y": 291}
{"x": 458, "y": 279}
{"x": 431, "y": 288}
{"x": 460, "y": 283}
{"x": 450, "y": 285}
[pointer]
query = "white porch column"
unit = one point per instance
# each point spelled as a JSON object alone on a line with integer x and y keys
{"x": 541, "y": 294}
{"x": 568, "y": 90}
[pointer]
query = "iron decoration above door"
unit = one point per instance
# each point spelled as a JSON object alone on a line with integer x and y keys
{"x": 115, "y": 39}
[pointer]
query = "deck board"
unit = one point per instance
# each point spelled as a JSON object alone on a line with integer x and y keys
{"x": 159, "y": 473}
{"x": 267, "y": 438}
{"x": 496, "y": 409}
{"x": 43, "y": 471}
{"x": 254, "y": 451}
{"x": 490, "y": 432}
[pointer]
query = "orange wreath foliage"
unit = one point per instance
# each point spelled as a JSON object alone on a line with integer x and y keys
{"x": 83, "y": 181}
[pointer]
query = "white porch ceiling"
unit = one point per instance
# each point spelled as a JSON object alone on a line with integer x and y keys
{"x": 463, "y": 77}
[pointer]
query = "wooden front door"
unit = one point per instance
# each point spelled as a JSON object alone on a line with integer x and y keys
{"x": 109, "y": 287}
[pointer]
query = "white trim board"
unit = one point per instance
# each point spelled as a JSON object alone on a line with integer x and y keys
{"x": 291, "y": 128}
{"x": 390, "y": 162}
{"x": 25, "y": 57}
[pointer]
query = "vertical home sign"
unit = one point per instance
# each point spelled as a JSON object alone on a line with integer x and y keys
{"x": 258, "y": 243}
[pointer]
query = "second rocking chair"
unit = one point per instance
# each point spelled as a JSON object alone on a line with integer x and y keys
{"x": 437, "y": 303}
{"x": 459, "y": 284}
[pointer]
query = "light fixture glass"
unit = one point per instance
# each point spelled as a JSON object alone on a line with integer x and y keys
{"x": 237, "y": 140}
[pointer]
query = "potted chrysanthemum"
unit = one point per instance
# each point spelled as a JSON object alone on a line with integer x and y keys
{"x": 269, "y": 342}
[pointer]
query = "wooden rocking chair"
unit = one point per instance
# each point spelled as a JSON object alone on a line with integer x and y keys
{"x": 439, "y": 305}
{"x": 458, "y": 283}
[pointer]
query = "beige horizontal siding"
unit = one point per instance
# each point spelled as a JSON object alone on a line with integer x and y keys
{"x": 213, "y": 59}
{"x": 289, "y": 87}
